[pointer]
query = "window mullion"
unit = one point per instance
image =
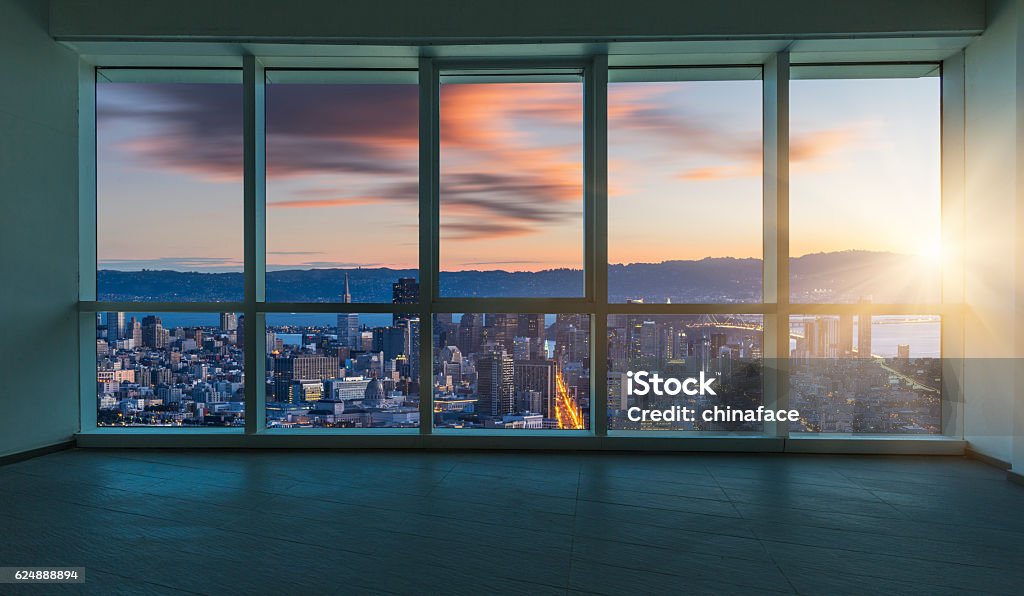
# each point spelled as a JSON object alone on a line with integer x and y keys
{"x": 254, "y": 172}
{"x": 596, "y": 257}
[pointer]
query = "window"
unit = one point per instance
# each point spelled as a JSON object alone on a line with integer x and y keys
{"x": 881, "y": 377}
{"x": 344, "y": 370}
{"x": 169, "y": 185}
{"x": 503, "y": 317}
{"x": 721, "y": 352}
{"x": 170, "y": 369}
{"x": 512, "y": 371}
{"x": 865, "y": 198}
{"x": 684, "y": 179}
{"x": 511, "y": 200}
{"x": 342, "y": 184}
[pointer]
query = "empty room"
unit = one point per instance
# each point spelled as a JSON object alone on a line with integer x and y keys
{"x": 478, "y": 297}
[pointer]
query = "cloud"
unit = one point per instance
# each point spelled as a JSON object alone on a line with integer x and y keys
{"x": 483, "y": 230}
{"x": 320, "y": 203}
{"x": 295, "y": 252}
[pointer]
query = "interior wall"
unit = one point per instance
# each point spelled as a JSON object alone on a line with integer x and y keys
{"x": 992, "y": 285}
{"x": 38, "y": 231}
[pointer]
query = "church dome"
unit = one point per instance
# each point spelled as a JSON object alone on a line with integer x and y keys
{"x": 374, "y": 391}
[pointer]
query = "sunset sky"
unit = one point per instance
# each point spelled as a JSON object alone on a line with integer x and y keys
{"x": 342, "y": 167}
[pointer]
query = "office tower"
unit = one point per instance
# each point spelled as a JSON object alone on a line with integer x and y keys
{"x": 536, "y": 376}
{"x": 845, "y": 335}
{"x": 903, "y": 351}
{"x": 240, "y": 333}
{"x": 228, "y": 321}
{"x": 153, "y": 333}
{"x": 115, "y": 326}
{"x": 470, "y": 333}
{"x": 718, "y": 341}
{"x": 414, "y": 348}
{"x": 405, "y": 291}
{"x": 864, "y": 337}
{"x": 495, "y": 387}
{"x": 500, "y": 328}
{"x": 393, "y": 341}
{"x": 348, "y": 330}
{"x": 347, "y": 296}
{"x": 531, "y": 327}
{"x": 346, "y": 388}
{"x": 824, "y": 340}
{"x": 301, "y": 368}
{"x": 647, "y": 345}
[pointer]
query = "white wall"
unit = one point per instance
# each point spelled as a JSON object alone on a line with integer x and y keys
{"x": 38, "y": 232}
{"x": 993, "y": 288}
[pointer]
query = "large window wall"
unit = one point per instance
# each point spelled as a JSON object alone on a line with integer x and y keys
{"x": 479, "y": 248}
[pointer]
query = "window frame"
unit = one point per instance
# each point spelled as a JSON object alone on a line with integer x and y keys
{"x": 774, "y": 306}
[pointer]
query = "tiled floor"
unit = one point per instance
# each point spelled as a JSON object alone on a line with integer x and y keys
{"x": 316, "y": 522}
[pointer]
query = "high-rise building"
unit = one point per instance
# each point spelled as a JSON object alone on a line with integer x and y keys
{"x": 470, "y": 333}
{"x": 301, "y": 368}
{"x": 153, "y": 333}
{"x": 348, "y": 330}
{"x": 824, "y": 338}
{"x": 393, "y": 341}
{"x": 495, "y": 387}
{"x": 347, "y": 296}
{"x": 537, "y": 376}
{"x": 903, "y": 351}
{"x": 405, "y": 291}
{"x": 115, "y": 326}
{"x": 228, "y": 321}
{"x": 864, "y": 337}
{"x": 845, "y": 335}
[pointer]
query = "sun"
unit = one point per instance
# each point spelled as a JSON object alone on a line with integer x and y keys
{"x": 931, "y": 252}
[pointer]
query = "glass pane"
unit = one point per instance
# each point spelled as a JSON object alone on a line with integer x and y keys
{"x": 347, "y": 370}
{"x": 169, "y": 190}
{"x": 170, "y": 369}
{"x": 865, "y": 196}
{"x": 511, "y": 201}
{"x": 342, "y": 187}
{"x": 512, "y": 371}
{"x": 684, "y": 180}
{"x": 661, "y": 364}
{"x": 880, "y": 378}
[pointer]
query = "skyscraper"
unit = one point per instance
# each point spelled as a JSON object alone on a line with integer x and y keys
{"x": 495, "y": 389}
{"x": 864, "y": 337}
{"x": 115, "y": 326}
{"x": 153, "y": 333}
{"x": 348, "y": 331}
{"x": 347, "y": 296}
{"x": 405, "y": 291}
{"x": 228, "y": 321}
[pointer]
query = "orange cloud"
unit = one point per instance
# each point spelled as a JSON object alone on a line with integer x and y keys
{"x": 318, "y": 203}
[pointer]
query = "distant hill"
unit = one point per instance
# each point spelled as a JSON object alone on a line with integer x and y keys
{"x": 823, "y": 277}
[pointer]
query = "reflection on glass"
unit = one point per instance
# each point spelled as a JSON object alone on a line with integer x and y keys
{"x": 344, "y": 370}
{"x": 511, "y": 202}
{"x": 170, "y": 369}
{"x": 879, "y": 378}
{"x": 342, "y": 190}
{"x": 727, "y": 348}
{"x": 865, "y": 191}
{"x": 512, "y": 371}
{"x": 169, "y": 191}
{"x": 684, "y": 178}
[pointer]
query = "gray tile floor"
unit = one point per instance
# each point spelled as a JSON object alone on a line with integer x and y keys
{"x": 320, "y": 522}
